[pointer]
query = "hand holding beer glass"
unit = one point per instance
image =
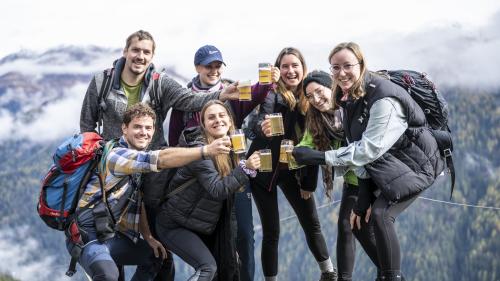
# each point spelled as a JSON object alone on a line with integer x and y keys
{"x": 268, "y": 74}
{"x": 273, "y": 125}
{"x": 238, "y": 141}
{"x": 253, "y": 162}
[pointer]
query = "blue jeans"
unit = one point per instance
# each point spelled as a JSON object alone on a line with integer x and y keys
{"x": 100, "y": 260}
{"x": 244, "y": 238}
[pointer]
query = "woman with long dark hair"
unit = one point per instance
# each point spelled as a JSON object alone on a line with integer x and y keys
{"x": 324, "y": 132}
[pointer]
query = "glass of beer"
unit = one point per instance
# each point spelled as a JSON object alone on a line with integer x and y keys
{"x": 265, "y": 73}
{"x": 245, "y": 89}
{"x": 292, "y": 164}
{"x": 283, "y": 148}
{"x": 266, "y": 162}
{"x": 238, "y": 141}
{"x": 276, "y": 124}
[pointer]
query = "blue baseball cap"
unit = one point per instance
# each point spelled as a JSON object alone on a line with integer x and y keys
{"x": 207, "y": 54}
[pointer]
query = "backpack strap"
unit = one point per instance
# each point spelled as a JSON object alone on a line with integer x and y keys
{"x": 177, "y": 190}
{"x": 154, "y": 94}
{"x": 72, "y": 265}
{"x": 451, "y": 168}
{"x": 101, "y": 172}
{"x": 180, "y": 188}
{"x": 103, "y": 95}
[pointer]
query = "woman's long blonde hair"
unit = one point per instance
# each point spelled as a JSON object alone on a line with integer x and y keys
{"x": 289, "y": 96}
{"x": 222, "y": 161}
{"x": 357, "y": 90}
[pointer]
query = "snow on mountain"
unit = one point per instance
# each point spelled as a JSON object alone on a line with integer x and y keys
{"x": 41, "y": 93}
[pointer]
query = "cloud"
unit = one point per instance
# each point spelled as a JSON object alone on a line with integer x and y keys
{"x": 55, "y": 121}
{"x": 454, "y": 55}
{"x": 17, "y": 258}
{"x": 61, "y": 60}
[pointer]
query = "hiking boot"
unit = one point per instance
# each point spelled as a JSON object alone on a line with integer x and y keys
{"x": 344, "y": 277}
{"x": 329, "y": 276}
{"x": 391, "y": 275}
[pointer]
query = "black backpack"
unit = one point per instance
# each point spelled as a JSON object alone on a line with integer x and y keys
{"x": 426, "y": 95}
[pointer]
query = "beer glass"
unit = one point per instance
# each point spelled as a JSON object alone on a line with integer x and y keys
{"x": 266, "y": 162}
{"x": 265, "y": 73}
{"x": 283, "y": 148}
{"x": 245, "y": 89}
{"x": 238, "y": 141}
{"x": 292, "y": 164}
{"x": 276, "y": 124}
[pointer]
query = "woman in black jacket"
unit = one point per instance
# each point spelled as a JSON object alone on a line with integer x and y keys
{"x": 388, "y": 143}
{"x": 195, "y": 221}
{"x": 288, "y": 99}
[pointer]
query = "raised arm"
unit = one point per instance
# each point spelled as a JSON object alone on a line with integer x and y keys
{"x": 179, "y": 156}
{"x": 180, "y": 98}
{"x": 123, "y": 161}
{"x": 386, "y": 124}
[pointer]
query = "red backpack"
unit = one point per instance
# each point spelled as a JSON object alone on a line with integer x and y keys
{"x": 75, "y": 161}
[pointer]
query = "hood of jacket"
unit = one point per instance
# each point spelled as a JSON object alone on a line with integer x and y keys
{"x": 192, "y": 137}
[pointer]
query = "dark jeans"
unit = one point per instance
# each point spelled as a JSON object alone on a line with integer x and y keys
{"x": 100, "y": 260}
{"x": 267, "y": 205}
{"x": 346, "y": 245}
{"x": 244, "y": 237}
{"x": 167, "y": 270}
{"x": 190, "y": 247}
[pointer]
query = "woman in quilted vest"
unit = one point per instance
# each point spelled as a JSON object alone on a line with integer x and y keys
{"x": 324, "y": 132}
{"x": 389, "y": 143}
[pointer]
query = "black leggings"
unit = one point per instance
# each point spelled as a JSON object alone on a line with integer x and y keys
{"x": 190, "y": 247}
{"x": 383, "y": 217}
{"x": 267, "y": 205}
{"x": 346, "y": 245}
{"x": 167, "y": 270}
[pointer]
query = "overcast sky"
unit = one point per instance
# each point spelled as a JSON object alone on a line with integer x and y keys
{"x": 252, "y": 31}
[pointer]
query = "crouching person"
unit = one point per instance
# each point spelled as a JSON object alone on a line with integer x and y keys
{"x": 110, "y": 227}
{"x": 195, "y": 220}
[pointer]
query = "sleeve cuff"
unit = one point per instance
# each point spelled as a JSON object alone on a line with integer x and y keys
{"x": 249, "y": 172}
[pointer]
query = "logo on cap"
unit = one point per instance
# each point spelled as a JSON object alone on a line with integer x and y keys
{"x": 207, "y": 54}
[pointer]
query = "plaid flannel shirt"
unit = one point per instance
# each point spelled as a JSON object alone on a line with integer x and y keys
{"x": 123, "y": 162}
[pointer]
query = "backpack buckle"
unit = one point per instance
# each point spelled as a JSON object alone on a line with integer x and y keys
{"x": 447, "y": 153}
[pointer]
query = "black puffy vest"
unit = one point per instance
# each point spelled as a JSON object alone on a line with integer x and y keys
{"x": 413, "y": 162}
